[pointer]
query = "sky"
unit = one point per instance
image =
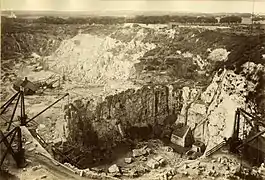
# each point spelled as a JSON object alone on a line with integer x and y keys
{"x": 207, "y": 6}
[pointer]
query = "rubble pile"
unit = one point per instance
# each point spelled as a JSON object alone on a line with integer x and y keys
{"x": 94, "y": 60}
{"x": 89, "y": 173}
{"x": 150, "y": 159}
{"x": 219, "y": 54}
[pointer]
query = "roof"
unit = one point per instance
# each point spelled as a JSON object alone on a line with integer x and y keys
{"x": 26, "y": 85}
{"x": 181, "y": 132}
{"x": 258, "y": 143}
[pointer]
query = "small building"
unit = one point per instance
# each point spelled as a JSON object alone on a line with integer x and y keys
{"x": 29, "y": 87}
{"x": 172, "y": 25}
{"x": 182, "y": 136}
{"x": 198, "y": 146}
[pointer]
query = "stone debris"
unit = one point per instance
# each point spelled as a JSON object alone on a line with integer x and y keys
{"x": 28, "y": 142}
{"x": 155, "y": 162}
{"x": 185, "y": 173}
{"x": 114, "y": 169}
{"x": 31, "y": 149}
{"x": 148, "y": 150}
{"x": 81, "y": 173}
{"x": 152, "y": 164}
{"x": 139, "y": 152}
{"x": 185, "y": 166}
{"x": 261, "y": 170}
{"x": 35, "y": 168}
{"x": 168, "y": 149}
{"x": 160, "y": 160}
{"x": 128, "y": 160}
{"x": 98, "y": 60}
{"x": 41, "y": 126}
{"x": 43, "y": 177}
{"x": 143, "y": 158}
{"x": 28, "y": 161}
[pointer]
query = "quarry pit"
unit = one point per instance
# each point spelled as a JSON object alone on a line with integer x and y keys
{"x": 131, "y": 87}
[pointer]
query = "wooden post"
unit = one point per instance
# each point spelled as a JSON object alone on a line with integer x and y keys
{"x": 20, "y": 155}
{"x": 13, "y": 114}
{"x": 8, "y": 147}
{"x": 5, "y": 106}
{"x": 23, "y": 115}
{"x": 238, "y": 124}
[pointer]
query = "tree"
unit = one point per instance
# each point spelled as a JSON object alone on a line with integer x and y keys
{"x": 231, "y": 19}
{"x": 202, "y": 19}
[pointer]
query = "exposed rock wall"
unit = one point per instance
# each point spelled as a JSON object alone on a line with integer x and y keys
{"x": 211, "y": 113}
{"x": 150, "y": 108}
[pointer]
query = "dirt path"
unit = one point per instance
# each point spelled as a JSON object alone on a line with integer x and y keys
{"x": 57, "y": 171}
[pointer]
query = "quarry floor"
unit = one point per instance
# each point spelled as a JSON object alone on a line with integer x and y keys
{"x": 51, "y": 128}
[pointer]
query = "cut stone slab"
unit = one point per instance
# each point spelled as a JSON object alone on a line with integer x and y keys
{"x": 139, "y": 152}
{"x": 152, "y": 164}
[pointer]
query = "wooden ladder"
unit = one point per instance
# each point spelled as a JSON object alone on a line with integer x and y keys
{"x": 215, "y": 148}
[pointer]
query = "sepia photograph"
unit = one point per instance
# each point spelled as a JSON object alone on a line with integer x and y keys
{"x": 132, "y": 90}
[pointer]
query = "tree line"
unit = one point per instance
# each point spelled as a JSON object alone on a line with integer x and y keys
{"x": 138, "y": 19}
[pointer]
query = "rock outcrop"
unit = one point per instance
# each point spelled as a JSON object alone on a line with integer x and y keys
{"x": 134, "y": 114}
{"x": 211, "y": 113}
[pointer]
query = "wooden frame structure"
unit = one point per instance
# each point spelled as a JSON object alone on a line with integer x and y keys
{"x": 18, "y": 152}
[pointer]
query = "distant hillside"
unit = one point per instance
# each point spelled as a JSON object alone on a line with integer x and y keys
{"x": 28, "y": 14}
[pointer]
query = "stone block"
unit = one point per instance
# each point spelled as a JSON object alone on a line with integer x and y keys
{"x": 139, "y": 152}
{"x": 128, "y": 160}
{"x": 152, "y": 164}
{"x": 114, "y": 169}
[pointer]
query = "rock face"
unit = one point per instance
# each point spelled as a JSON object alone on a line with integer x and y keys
{"x": 152, "y": 110}
{"x": 211, "y": 113}
{"x": 140, "y": 114}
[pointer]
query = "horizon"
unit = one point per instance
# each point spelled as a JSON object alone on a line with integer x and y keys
{"x": 170, "y": 6}
{"x": 121, "y": 13}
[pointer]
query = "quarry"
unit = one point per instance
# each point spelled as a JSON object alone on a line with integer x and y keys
{"x": 137, "y": 101}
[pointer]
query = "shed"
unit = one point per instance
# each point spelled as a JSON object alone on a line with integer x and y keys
{"x": 182, "y": 136}
{"x": 29, "y": 87}
{"x": 198, "y": 146}
{"x": 172, "y": 25}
